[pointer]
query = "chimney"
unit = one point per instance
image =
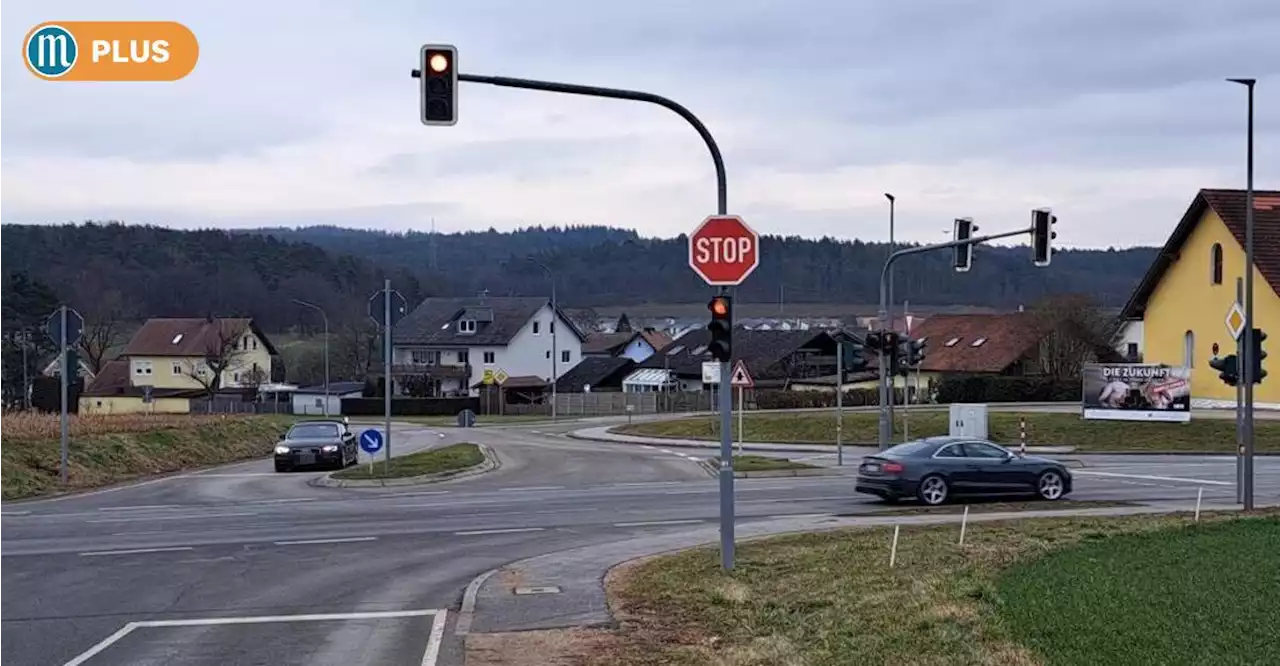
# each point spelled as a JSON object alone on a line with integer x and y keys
{"x": 1021, "y": 308}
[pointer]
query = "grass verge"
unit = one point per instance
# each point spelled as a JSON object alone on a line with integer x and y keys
{"x": 481, "y": 420}
{"x": 1043, "y": 428}
{"x": 749, "y": 463}
{"x": 111, "y": 449}
{"x": 1017, "y": 592}
{"x": 445, "y": 459}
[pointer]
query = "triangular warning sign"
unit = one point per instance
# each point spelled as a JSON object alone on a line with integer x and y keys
{"x": 740, "y": 376}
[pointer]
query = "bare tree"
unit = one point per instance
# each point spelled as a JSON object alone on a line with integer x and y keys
{"x": 355, "y": 345}
{"x": 586, "y": 319}
{"x": 1077, "y": 332}
{"x": 222, "y": 350}
{"x": 104, "y": 328}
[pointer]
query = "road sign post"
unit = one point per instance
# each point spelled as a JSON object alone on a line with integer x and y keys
{"x": 64, "y": 327}
{"x": 740, "y": 380}
{"x": 370, "y": 442}
{"x": 386, "y": 308}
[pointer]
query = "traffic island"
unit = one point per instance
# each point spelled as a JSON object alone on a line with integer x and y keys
{"x": 1060, "y": 591}
{"x": 1063, "y": 432}
{"x": 445, "y": 463}
{"x": 751, "y": 467}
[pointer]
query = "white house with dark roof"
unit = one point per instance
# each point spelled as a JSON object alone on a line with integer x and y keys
{"x": 450, "y": 342}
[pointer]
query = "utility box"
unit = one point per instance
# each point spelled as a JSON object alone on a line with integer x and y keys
{"x": 969, "y": 421}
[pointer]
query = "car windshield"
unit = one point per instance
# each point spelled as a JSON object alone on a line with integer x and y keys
{"x": 313, "y": 430}
{"x": 909, "y": 448}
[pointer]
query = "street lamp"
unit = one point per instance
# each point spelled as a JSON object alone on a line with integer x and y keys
{"x": 325, "y": 317}
{"x": 555, "y": 314}
{"x": 889, "y": 324}
{"x": 1246, "y": 342}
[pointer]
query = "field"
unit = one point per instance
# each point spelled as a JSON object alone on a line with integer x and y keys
{"x": 1060, "y": 592}
{"x": 110, "y": 449}
{"x": 445, "y": 459}
{"x": 1043, "y": 428}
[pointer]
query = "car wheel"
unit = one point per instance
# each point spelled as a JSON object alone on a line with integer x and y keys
{"x": 1050, "y": 486}
{"x": 933, "y": 490}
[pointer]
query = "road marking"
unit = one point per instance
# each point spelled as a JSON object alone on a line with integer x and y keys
{"x": 463, "y": 626}
{"x": 420, "y": 494}
{"x": 14, "y": 513}
{"x": 1149, "y": 477}
{"x": 645, "y": 483}
{"x": 509, "y": 530}
{"x": 135, "y": 551}
{"x": 309, "y": 542}
{"x": 646, "y": 446}
{"x": 536, "y": 432}
{"x": 803, "y": 515}
{"x": 647, "y": 523}
{"x": 194, "y": 516}
{"x": 667, "y": 451}
{"x": 536, "y": 488}
{"x": 234, "y": 474}
{"x": 283, "y": 501}
{"x": 140, "y": 507}
{"x": 429, "y": 657}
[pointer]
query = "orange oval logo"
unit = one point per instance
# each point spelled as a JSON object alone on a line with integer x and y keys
{"x": 110, "y": 51}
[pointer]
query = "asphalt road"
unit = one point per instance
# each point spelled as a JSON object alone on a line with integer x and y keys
{"x": 239, "y": 565}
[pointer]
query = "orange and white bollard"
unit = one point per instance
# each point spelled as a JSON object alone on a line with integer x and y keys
{"x": 1022, "y": 436}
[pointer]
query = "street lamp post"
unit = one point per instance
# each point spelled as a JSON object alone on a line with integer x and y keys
{"x": 1246, "y": 346}
{"x": 555, "y": 314}
{"x": 889, "y": 325}
{"x": 324, "y": 317}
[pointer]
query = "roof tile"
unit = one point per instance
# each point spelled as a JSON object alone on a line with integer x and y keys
{"x": 1002, "y": 339}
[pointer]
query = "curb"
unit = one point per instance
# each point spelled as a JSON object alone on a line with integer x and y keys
{"x": 489, "y": 464}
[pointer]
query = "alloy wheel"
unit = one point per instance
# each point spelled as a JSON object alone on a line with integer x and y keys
{"x": 933, "y": 490}
{"x": 1051, "y": 486}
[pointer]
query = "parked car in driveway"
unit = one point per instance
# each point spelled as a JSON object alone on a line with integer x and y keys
{"x": 317, "y": 443}
{"x": 935, "y": 469}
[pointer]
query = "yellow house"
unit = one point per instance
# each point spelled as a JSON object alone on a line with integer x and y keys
{"x": 1183, "y": 300}
{"x": 169, "y": 362}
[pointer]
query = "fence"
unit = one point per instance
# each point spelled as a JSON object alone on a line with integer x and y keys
{"x": 611, "y": 403}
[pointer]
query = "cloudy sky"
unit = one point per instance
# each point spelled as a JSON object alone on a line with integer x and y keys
{"x": 1113, "y": 112}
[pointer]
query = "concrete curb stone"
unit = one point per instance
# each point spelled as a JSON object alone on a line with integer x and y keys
{"x": 489, "y": 464}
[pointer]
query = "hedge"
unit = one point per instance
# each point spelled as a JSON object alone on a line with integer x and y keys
{"x": 965, "y": 388}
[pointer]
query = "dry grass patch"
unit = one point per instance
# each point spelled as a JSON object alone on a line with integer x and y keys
{"x": 830, "y": 598}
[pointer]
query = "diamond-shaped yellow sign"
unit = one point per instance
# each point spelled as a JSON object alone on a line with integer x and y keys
{"x": 501, "y": 377}
{"x": 1235, "y": 321}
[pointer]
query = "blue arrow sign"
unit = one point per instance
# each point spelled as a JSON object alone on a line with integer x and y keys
{"x": 371, "y": 440}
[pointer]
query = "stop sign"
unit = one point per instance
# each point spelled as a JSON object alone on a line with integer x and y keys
{"x": 723, "y": 250}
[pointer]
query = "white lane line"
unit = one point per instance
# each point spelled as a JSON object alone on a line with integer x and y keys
{"x": 309, "y": 542}
{"x": 194, "y": 516}
{"x": 647, "y": 523}
{"x": 135, "y": 551}
{"x": 140, "y": 507}
{"x": 803, "y": 515}
{"x": 666, "y": 451}
{"x": 646, "y": 483}
{"x": 420, "y": 494}
{"x": 1148, "y": 477}
{"x": 434, "y": 640}
{"x": 283, "y": 501}
{"x": 535, "y": 488}
{"x": 14, "y": 513}
{"x": 138, "y": 533}
{"x": 311, "y": 617}
{"x": 235, "y": 474}
{"x": 509, "y": 530}
{"x": 536, "y": 432}
{"x": 102, "y": 645}
{"x": 646, "y": 446}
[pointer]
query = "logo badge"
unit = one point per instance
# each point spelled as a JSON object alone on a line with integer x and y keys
{"x": 51, "y": 51}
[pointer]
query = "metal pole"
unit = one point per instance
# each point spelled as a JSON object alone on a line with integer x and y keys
{"x": 741, "y": 427}
{"x": 1240, "y": 404}
{"x": 325, "y": 318}
{"x": 386, "y": 358}
{"x": 26, "y": 379}
{"x": 888, "y": 323}
{"x": 1247, "y": 358}
{"x": 555, "y": 353}
{"x": 65, "y": 425}
{"x": 722, "y": 208}
{"x": 840, "y": 403}
{"x": 906, "y": 393}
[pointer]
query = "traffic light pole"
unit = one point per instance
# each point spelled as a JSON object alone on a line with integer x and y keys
{"x": 886, "y": 422}
{"x": 722, "y": 208}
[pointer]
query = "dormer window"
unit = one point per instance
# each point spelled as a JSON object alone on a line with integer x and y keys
{"x": 176, "y": 339}
{"x": 978, "y": 342}
{"x": 952, "y": 342}
{"x": 467, "y": 326}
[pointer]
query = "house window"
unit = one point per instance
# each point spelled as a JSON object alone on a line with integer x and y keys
{"x": 1189, "y": 349}
{"x": 537, "y": 325}
{"x": 952, "y": 342}
{"x": 1131, "y": 351}
{"x": 423, "y": 357}
{"x": 464, "y": 357}
{"x": 177, "y": 368}
{"x": 255, "y": 343}
{"x": 548, "y": 354}
{"x": 467, "y": 326}
{"x": 142, "y": 368}
{"x": 1215, "y": 260}
{"x": 490, "y": 358}
{"x": 978, "y": 342}
{"x": 565, "y": 356}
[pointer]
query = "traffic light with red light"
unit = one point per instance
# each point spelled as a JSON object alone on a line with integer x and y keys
{"x": 721, "y": 327}
{"x": 439, "y": 77}
{"x": 1042, "y": 235}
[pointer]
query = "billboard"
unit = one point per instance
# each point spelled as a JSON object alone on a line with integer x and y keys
{"x": 1136, "y": 392}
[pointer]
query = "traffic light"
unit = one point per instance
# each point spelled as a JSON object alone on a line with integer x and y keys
{"x": 1042, "y": 235}
{"x": 1256, "y": 355}
{"x": 915, "y": 352}
{"x": 893, "y": 350}
{"x": 439, "y": 84}
{"x": 721, "y": 327}
{"x": 853, "y": 359}
{"x": 873, "y": 340}
{"x": 1228, "y": 369}
{"x": 963, "y": 254}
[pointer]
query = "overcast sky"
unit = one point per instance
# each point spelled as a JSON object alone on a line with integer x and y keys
{"x": 1113, "y": 112}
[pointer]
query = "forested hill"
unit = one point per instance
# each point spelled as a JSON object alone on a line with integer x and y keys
{"x": 161, "y": 271}
{"x": 603, "y": 266}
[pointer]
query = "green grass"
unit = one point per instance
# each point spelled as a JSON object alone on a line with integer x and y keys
{"x": 445, "y": 459}
{"x": 748, "y": 463}
{"x": 31, "y": 466}
{"x": 1043, "y": 428}
{"x": 1197, "y": 595}
{"x": 1005, "y": 597}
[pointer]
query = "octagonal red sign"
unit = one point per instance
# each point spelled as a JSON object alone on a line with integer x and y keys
{"x": 723, "y": 250}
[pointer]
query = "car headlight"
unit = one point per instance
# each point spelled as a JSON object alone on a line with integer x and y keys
{"x": 282, "y": 449}
{"x": 329, "y": 448}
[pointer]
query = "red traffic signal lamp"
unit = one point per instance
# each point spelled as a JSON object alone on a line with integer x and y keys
{"x": 439, "y": 76}
{"x": 721, "y": 327}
